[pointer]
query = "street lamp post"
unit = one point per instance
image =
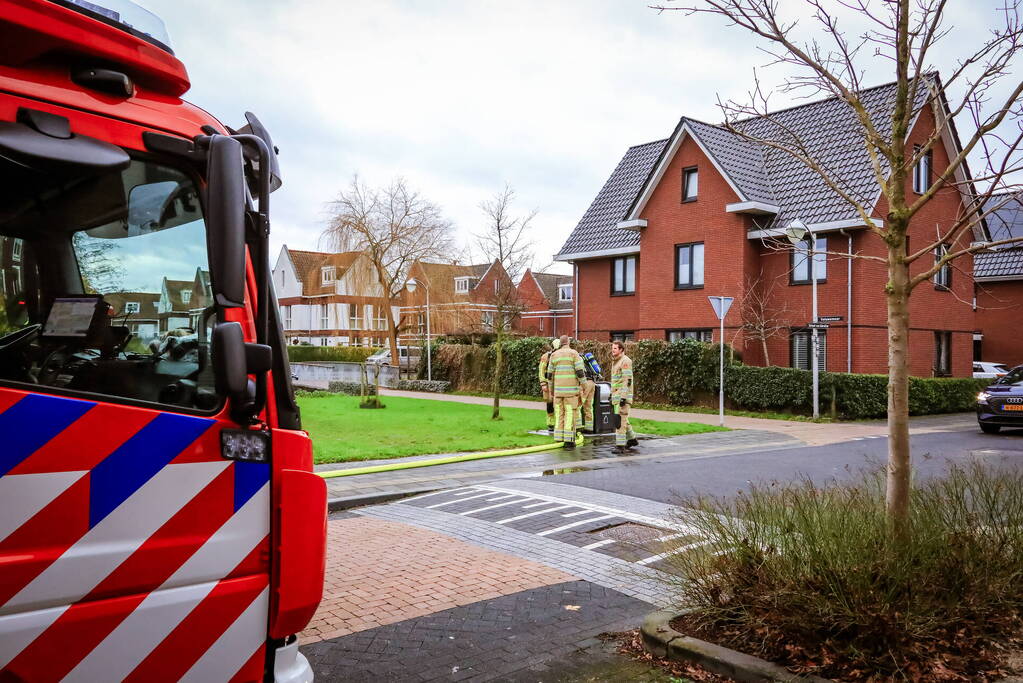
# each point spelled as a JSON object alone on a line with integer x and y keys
{"x": 797, "y": 232}
{"x": 411, "y": 287}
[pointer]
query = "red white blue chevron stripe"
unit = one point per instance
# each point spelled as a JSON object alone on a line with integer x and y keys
{"x": 129, "y": 549}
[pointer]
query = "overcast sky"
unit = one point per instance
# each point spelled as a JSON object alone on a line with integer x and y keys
{"x": 462, "y": 96}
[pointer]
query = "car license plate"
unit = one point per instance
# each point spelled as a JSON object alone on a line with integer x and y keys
{"x": 1013, "y": 406}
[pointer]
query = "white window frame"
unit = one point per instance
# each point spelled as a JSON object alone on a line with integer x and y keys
{"x": 943, "y": 278}
{"x": 355, "y": 317}
{"x": 461, "y": 285}
{"x": 801, "y": 257}
{"x": 132, "y": 307}
{"x": 186, "y": 296}
{"x": 379, "y": 321}
{"x": 798, "y": 360}
{"x": 487, "y": 320}
{"x": 16, "y": 249}
{"x": 693, "y": 275}
{"x": 923, "y": 170}
{"x": 286, "y": 314}
{"x": 328, "y": 274}
{"x": 562, "y": 289}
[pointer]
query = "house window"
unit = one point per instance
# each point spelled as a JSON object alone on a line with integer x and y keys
{"x": 487, "y": 319}
{"x": 131, "y": 307}
{"x": 497, "y": 286}
{"x": 623, "y": 275}
{"x": 421, "y": 323}
{"x": 800, "y": 262}
{"x": 186, "y": 296}
{"x": 355, "y": 317}
{"x": 690, "y": 182}
{"x": 380, "y": 322}
{"x": 623, "y": 336}
{"x": 689, "y": 265}
{"x": 323, "y": 341}
{"x": 801, "y": 345}
{"x": 564, "y": 292}
{"x": 286, "y": 310}
{"x": 324, "y": 316}
{"x": 16, "y": 252}
{"x": 942, "y": 354}
{"x": 327, "y": 275}
{"x": 943, "y": 278}
{"x": 703, "y": 335}
{"x": 461, "y": 285}
{"x": 922, "y": 171}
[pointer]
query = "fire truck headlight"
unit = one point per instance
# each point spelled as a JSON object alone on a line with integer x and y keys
{"x": 245, "y": 445}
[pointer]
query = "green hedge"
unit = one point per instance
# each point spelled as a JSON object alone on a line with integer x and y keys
{"x": 341, "y": 354}
{"x": 686, "y": 373}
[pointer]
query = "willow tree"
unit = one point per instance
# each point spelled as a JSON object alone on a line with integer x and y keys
{"x": 830, "y": 61}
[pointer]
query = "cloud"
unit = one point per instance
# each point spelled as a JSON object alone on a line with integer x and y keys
{"x": 460, "y": 97}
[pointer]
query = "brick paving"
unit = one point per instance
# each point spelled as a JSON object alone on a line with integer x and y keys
{"x": 381, "y": 572}
{"x": 521, "y": 636}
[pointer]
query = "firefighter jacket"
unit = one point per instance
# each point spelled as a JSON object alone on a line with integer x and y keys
{"x": 621, "y": 380}
{"x": 565, "y": 368}
{"x": 543, "y": 367}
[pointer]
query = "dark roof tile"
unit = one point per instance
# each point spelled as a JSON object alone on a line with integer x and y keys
{"x": 1001, "y": 263}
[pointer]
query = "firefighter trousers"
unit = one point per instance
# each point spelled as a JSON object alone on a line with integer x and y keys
{"x": 549, "y": 400}
{"x": 624, "y": 431}
{"x": 566, "y": 411}
{"x": 586, "y": 409}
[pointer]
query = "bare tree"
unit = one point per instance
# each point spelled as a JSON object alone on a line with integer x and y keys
{"x": 504, "y": 240}
{"x": 902, "y": 33}
{"x": 393, "y": 226}
{"x": 762, "y": 317}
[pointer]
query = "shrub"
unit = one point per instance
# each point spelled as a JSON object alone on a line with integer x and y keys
{"x": 436, "y": 386}
{"x": 350, "y": 388}
{"x": 339, "y": 354}
{"x": 811, "y": 577}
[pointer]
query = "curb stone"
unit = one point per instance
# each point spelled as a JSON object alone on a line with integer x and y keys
{"x": 661, "y": 640}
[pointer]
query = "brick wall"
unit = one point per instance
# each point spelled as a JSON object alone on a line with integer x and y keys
{"x": 1000, "y": 320}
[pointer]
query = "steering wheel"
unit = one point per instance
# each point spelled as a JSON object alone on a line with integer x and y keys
{"x": 15, "y": 340}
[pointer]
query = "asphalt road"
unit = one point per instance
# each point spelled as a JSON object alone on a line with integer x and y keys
{"x": 672, "y": 481}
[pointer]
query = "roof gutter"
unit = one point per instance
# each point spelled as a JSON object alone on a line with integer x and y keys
{"x": 603, "y": 253}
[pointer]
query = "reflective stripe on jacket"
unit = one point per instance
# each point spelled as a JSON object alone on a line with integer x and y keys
{"x": 565, "y": 367}
{"x": 621, "y": 379}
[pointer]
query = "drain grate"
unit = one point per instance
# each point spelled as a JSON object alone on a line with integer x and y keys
{"x": 629, "y": 532}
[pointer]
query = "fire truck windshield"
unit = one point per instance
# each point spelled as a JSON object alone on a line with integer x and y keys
{"x": 120, "y": 259}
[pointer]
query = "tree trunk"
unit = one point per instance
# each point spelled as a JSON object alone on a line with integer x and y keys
{"x": 392, "y": 335}
{"x": 767, "y": 358}
{"x": 898, "y": 489}
{"x": 498, "y": 367}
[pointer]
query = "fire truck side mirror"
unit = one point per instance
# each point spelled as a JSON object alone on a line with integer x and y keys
{"x": 230, "y": 368}
{"x": 225, "y": 220}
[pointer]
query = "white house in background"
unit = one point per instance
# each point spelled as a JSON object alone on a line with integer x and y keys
{"x": 330, "y": 299}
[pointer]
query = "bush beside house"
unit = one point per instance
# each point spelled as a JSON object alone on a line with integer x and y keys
{"x": 304, "y": 353}
{"x": 686, "y": 373}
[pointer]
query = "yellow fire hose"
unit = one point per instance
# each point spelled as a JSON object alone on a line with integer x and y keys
{"x": 330, "y": 474}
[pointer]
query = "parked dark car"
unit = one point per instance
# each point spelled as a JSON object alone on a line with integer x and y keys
{"x": 1001, "y": 404}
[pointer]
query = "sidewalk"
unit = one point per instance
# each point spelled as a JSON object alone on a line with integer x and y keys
{"x": 810, "y": 433}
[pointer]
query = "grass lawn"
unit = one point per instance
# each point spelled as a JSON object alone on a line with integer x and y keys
{"x": 343, "y": 432}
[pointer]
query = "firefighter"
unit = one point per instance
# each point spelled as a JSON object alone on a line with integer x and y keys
{"x": 621, "y": 397}
{"x": 565, "y": 374}
{"x": 589, "y": 384}
{"x": 545, "y": 388}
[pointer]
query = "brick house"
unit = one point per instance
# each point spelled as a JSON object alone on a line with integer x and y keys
{"x": 463, "y": 299}
{"x": 329, "y": 299}
{"x": 137, "y": 310}
{"x": 546, "y": 302}
{"x": 173, "y": 309}
{"x": 998, "y": 276}
{"x": 702, "y": 213}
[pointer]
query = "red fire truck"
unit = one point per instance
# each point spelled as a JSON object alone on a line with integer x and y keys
{"x": 159, "y": 518}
